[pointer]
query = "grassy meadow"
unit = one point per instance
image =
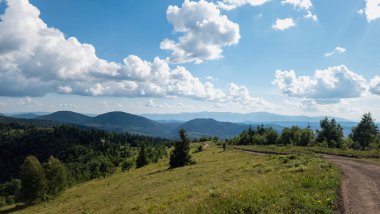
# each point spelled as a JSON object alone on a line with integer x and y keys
{"x": 229, "y": 181}
{"x": 371, "y": 156}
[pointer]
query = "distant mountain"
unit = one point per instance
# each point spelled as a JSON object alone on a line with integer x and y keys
{"x": 112, "y": 121}
{"x": 209, "y": 127}
{"x": 65, "y": 117}
{"x": 121, "y": 121}
{"x": 255, "y": 117}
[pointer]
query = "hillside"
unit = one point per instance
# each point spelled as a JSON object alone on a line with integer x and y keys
{"x": 121, "y": 122}
{"x": 220, "y": 182}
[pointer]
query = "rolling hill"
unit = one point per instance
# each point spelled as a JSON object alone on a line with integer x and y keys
{"x": 112, "y": 121}
{"x": 210, "y": 127}
{"x": 65, "y": 117}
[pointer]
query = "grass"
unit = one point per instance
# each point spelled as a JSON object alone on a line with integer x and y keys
{"x": 220, "y": 182}
{"x": 371, "y": 154}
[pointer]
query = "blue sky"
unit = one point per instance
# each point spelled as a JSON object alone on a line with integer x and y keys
{"x": 189, "y": 56}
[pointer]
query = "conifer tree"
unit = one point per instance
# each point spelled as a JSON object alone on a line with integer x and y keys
{"x": 142, "y": 158}
{"x": 180, "y": 155}
{"x": 365, "y": 132}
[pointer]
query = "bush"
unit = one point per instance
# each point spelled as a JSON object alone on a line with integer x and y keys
{"x": 128, "y": 164}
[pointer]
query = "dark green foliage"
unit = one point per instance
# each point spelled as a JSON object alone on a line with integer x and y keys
{"x": 291, "y": 136}
{"x": 200, "y": 148}
{"x": 180, "y": 155}
{"x": 128, "y": 164}
{"x": 142, "y": 158}
{"x": 224, "y": 146}
{"x": 56, "y": 175}
{"x": 259, "y": 136}
{"x": 86, "y": 153}
{"x": 10, "y": 192}
{"x": 33, "y": 180}
{"x": 331, "y": 133}
{"x": 296, "y": 136}
{"x": 365, "y": 132}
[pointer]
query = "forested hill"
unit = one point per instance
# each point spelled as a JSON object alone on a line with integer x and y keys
{"x": 112, "y": 121}
{"x": 87, "y": 153}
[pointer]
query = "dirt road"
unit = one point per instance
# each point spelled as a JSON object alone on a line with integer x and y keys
{"x": 360, "y": 191}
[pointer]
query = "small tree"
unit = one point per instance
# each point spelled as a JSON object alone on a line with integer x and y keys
{"x": 330, "y": 132}
{"x": 142, "y": 158}
{"x": 33, "y": 180}
{"x": 180, "y": 155}
{"x": 365, "y": 132}
{"x": 56, "y": 175}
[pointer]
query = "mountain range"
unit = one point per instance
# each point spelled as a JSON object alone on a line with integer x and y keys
{"x": 167, "y": 125}
{"x": 254, "y": 117}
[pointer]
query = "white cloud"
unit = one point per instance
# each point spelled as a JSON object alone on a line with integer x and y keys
{"x": 337, "y": 50}
{"x": 151, "y": 104}
{"x": 326, "y": 86}
{"x": 311, "y": 16}
{"x": 36, "y": 60}
{"x": 205, "y": 32}
{"x": 300, "y": 4}
{"x": 372, "y": 10}
{"x": 240, "y": 94}
{"x": 26, "y": 101}
{"x": 233, "y": 4}
{"x": 374, "y": 86}
{"x": 283, "y": 24}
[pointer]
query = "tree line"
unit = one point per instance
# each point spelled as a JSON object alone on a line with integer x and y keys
{"x": 84, "y": 153}
{"x": 363, "y": 136}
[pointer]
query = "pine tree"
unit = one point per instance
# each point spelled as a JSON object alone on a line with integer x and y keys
{"x": 180, "y": 155}
{"x": 56, "y": 176}
{"x": 33, "y": 180}
{"x": 142, "y": 159}
{"x": 365, "y": 132}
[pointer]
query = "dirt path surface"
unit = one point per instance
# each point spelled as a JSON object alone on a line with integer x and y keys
{"x": 360, "y": 192}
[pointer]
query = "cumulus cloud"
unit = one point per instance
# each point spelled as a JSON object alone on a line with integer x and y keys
{"x": 311, "y": 16}
{"x": 326, "y": 86}
{"x": 233, "y": 4}
{"x": 371, "y": 10}
{"x": 283, "y": 24}
{"x": 374, "y": 86}
{"x": 205, "y": 32}
{"x": 337, "y": 50}
{"x": 36, "y": 60}
{"x": 240, "y": 94}
{"x": 299, "y": 4}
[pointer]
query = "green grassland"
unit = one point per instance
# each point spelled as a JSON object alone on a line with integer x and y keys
{"x": 229, "y": 181}
{"x": 289, "y": 149}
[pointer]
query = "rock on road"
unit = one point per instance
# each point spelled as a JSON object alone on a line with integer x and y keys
{"x": 360, "y": 190}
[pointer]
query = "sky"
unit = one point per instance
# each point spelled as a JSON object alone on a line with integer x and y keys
{"x": 294, "y": 57}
